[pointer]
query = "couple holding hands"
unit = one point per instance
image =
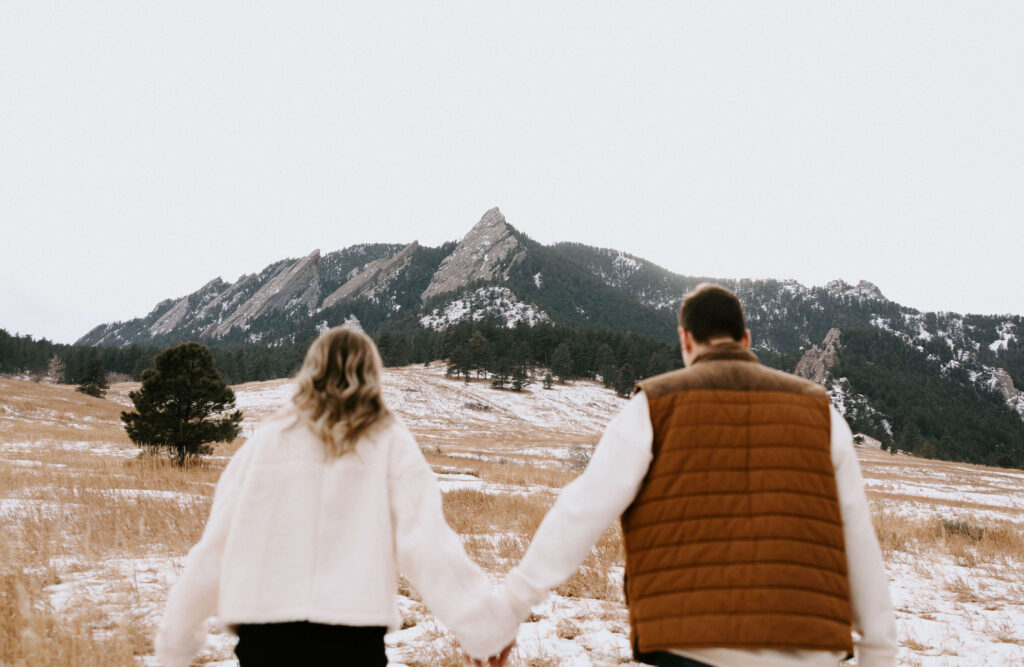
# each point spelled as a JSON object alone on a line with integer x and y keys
{"x": 747, "y": 531}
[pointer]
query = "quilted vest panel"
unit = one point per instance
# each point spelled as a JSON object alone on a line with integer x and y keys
{"x": 735, "y": 539}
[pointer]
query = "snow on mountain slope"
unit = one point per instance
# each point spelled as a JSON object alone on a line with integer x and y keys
{"x": 484, "y": 302}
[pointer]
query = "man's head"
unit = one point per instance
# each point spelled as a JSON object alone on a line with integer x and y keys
{"x": 710, "y": 315}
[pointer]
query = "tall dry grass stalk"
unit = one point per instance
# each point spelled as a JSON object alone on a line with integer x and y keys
{"x": 68, "y": 511}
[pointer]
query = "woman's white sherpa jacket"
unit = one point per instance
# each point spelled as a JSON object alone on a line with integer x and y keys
{"x": 294, "y": 536}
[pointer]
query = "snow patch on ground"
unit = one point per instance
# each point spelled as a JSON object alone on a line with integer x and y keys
{"x": 427, "y": 398}
{"x": 943, "y": 620}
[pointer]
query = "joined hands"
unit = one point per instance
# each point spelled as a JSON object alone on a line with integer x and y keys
{"x": 494, "y": 660}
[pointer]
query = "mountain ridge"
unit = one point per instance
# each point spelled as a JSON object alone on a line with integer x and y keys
{"x": 496, "y": 273}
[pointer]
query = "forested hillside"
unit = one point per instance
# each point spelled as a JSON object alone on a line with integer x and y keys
{"x": 499, "y": 305}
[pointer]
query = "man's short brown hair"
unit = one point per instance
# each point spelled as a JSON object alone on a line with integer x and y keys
{"x": 711, "y": 311}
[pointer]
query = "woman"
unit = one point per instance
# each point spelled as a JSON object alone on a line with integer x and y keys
{"x": 309, "y": 517}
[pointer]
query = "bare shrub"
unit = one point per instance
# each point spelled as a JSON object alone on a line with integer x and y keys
{"x": 567, "y": 629}
{"x": 579, "y": 457}
{"x": 596, "y": 577}
{"x": 470, "y": 511}
{"x": 964, "y": 528}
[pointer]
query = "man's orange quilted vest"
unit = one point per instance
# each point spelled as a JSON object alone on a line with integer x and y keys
{"x": 736, "y": 539}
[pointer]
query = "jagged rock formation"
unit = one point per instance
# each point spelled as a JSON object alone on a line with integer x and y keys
{"x": 294, "y": 287}
{"x": 862, "y": 290}
{"x": 818, "y": 361}
{"x": 183, "y": 308}
{"x": 373, "y": 278}
{"x": 488, "y": 251}
{"x": 1003, "y": 383}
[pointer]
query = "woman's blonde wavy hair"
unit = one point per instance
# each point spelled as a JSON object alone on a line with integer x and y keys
{"x": 339, "y": 395}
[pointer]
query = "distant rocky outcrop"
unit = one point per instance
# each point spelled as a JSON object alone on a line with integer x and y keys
{"x": 185, "y": 307}
{"x": 1003, "y": 383}
{"x": 818, "y": 361}
{"x": 862, "y": 290}
{"x": 487, "y": 252}
{"x": 372, "y": 278}
{"x": 295, "y": 286}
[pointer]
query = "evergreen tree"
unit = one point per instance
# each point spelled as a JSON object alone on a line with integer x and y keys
{"x": 177, "y": 406}
{"x": 561, "y": 362}
{"x": 481, "y": 355}
{"x": 625, "y": 381}
{"x": 523, "y": 355}
{"x": 659, "y": 363}
{"x": 500, "y": 372}
{"x": 520, "y": 378}
{"x": 910, "y": 439}
{"x": 94, "y": 381}
{"x": 605, "y": 364}
{"x": 460, "y": 361}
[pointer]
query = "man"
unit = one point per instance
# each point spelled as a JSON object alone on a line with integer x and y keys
{"x": 747, "y": 532}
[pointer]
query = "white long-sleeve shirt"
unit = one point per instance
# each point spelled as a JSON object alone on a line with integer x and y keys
{"x": 295, "y": 536}
{"x": 587, "y": 506}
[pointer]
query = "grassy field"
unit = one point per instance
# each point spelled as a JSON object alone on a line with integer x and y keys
{"x": 93, "y": 533}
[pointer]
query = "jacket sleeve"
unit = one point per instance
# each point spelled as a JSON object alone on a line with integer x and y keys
{"x": 193, "y": 597}
{"x": 585, "y": 508}
{"x": 431, "y": 555}
{"x": 869, "y": 585}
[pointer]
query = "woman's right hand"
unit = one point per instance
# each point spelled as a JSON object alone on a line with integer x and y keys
{"x": 493, "y": 661}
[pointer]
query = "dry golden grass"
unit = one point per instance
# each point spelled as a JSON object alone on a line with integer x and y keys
{"x": 474, "y": 512}
{"x": 994, "y": 544}
{"x": 596, "y": 578}
{"x": 79, "y": 508}
{"x": 79, "y": 500}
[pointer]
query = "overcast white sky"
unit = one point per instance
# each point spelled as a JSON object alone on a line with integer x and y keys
{"x": 146, "y": 148}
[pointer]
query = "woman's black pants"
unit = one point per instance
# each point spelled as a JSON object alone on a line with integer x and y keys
{"x": 304, "y": 643}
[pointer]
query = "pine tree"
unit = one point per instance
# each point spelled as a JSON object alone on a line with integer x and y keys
{"x": 625, "y": 381}
{"x": 605, "y": 364}
{"x": 460, "y": 361}
{"x": 910, "y": 439}
{"x": 500, "y": 375}
{"x": 176, "y": 406}
{"x": 94, "y": 380}
{"x": 561, "y": 362}
{"x": 658, "y": 363}
{"x": 481, "y": 353}
{"x": 520, "y": 378}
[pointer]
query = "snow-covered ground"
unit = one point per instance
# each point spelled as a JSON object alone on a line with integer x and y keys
{"x": 956, "y": 604}
{"x": 448, "y": 413}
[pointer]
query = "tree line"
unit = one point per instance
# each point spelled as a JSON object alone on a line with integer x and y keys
{"x": 75, "y": 364}
{"x": 484, "y": 349}
{"x": 514, "y": 356}
{"x": 930, "y": 412}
